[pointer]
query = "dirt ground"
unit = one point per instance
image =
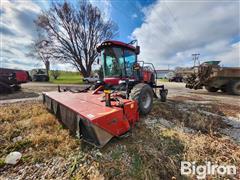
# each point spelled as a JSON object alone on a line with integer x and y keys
{"x": 191, "y": 126}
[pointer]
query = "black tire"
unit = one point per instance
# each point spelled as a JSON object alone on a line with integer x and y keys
{"x": 17, "y": 87}
{"x": 47, "y": 79}
{"x": 43, "y": 79}
{"x": 211, "y": 89}
{"x": 234, "y": 87}
{"x": 5, "y": 88}
{"x": 163, "y": 95}
{"x": 2, "y": 89}
{"x": 223, "y": 89}
{"x": 34, "y": 79}
{"x": 143, "y": 94}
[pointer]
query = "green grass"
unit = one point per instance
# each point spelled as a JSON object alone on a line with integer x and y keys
{"x": 162, "y": 80}
{"x": 67, "y": 78}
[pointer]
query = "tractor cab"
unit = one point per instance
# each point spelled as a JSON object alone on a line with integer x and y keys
{"x": 118, "y": 60}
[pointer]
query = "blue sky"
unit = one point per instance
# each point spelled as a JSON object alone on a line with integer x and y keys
{"x": 128, "y": 15}
{"x": 167, "y": 31}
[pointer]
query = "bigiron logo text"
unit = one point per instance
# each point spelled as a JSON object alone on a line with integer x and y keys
{"x": 201, "y": 171}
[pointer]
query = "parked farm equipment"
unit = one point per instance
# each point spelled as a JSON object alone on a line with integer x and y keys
{"x": 21, "y": 75}
{"x": 214, "y": 78}
{"x": 8, "y": 83}
{"x": 39, "y": 75}
{"x": 10, "y": 79}
{"x": 113, "y": 107}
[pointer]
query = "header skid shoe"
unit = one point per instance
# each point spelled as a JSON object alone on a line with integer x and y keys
{"x": 87, "y": 116}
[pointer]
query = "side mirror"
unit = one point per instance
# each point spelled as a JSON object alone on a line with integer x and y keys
{"x": 137, "y": 50}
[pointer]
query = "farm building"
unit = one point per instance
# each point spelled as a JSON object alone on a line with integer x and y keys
{"x": 162, "y": 73}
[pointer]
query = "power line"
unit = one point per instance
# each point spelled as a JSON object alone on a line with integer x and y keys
{"x": 196, "y": 59}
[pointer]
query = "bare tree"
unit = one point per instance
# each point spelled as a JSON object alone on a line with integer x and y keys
{"x": 55, "y": 74}
{"x": 73, "y": 33}
{"x": 40, "y": 50}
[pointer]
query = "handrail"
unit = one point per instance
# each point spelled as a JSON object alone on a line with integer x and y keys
{"x": 155, "y": 72}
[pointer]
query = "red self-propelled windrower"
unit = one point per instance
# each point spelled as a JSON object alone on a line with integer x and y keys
{"x": 113, "y": 107}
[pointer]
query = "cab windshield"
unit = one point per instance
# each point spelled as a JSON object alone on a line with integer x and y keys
{"x": 117, "y": 62}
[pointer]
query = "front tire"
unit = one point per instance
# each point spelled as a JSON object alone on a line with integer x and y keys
{"x": 211, "y": 89}
{"x": 143, "y": 94}
{"x": 234, "y": 87}
{"x": 223, "y": 89}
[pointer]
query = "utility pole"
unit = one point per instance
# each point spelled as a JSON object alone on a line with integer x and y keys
{"x": 195, "y": 59}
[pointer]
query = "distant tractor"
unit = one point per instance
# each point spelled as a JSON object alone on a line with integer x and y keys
{"x": 214, "y": 78}
{"x": 174, "y": 77}
{"x": 39, "y": 75}
{"x": 112, "y": 108}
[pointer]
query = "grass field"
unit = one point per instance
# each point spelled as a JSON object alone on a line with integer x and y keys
{"x": 67, "y": 78}
{"x": 162, "y": 80}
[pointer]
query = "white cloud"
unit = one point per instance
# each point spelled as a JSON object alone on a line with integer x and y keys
{"x": 17, "y": 31}
{"x": 173, "y": 30}
{"x": 230, "y": 57}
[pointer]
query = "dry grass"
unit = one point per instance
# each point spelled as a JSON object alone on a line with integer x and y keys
{"x": 156, "y": 153}
{"x": 200, "y": 148}
{"x": 226, "y": 109}
{"x": 42, "y": 136}
{"x": 188, "y": 115}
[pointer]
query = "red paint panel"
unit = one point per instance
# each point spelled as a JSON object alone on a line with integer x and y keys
{"x": 91, "y": 107}
{"x": 112, "y": 81}
{"x": 115, "y": 43}
{"x": 147, "y": 76}
{"x": 119, "y": 43}
{"x": 21, "y": 76}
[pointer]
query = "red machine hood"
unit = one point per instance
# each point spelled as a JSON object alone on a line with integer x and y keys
{"x": 112, "y": 81}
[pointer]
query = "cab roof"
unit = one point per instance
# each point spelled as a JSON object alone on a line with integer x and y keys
{"x": 115, "y": 43}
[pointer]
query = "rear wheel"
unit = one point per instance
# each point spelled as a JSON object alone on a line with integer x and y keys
{"x": 234, "y": 87}
{"x": 5, "y": 88}
{"x": 143, "y": 94}
{"x": 17, "y": 87}
{"x": 211, "y": 89}
{"x": 223, "y": 89}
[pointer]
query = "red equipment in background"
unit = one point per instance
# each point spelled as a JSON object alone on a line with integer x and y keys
{"x": 21, "y": 75}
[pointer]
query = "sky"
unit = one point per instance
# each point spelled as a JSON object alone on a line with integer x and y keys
{"x": 168, "y": 31}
